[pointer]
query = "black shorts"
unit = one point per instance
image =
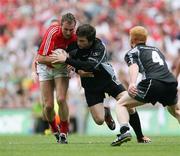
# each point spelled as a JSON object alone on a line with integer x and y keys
{"x": 152, "y": 91}
{"x": 95, "y": 96}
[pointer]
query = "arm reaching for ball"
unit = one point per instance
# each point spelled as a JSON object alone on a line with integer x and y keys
{"x": 59, "y": 56}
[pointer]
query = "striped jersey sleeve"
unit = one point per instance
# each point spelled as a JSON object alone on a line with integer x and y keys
{"x": 48, "y": 41}
{"x": 132, "y": 56}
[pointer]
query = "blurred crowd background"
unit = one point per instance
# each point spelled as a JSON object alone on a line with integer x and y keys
{"x": 23, "y": 23}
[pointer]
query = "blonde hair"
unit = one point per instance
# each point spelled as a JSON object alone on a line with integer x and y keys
{"x": 138, "y": 34}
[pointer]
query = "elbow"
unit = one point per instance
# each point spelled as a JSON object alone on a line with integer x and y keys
{"x": 134, "y": 65}
{"x": 39, "y": 59}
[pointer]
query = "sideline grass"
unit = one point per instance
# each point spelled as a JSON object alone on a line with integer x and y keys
{"x": 39, "y": 145}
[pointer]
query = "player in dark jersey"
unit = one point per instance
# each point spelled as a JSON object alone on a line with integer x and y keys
{"x": 158, "y": 83}
{"x": 89, "y": 58}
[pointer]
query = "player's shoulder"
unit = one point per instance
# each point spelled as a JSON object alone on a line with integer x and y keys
{"x": 147, "y": 47}
{"x": 133, "y": 50}
{"x": 98, "y": 44}
{"x": 140, "y": 48}
{"x": 54, "y": 29}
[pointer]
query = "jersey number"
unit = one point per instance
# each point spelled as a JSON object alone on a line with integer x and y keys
{"x": 156, "y": 58}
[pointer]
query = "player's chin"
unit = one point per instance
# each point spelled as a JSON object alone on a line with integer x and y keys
{"x": 67, "y": 36}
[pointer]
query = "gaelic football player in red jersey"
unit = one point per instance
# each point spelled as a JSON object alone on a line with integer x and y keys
{"x": 58, "y": 36}
{"x": 34, "y": 74}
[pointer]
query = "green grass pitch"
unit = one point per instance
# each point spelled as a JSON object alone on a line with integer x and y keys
{"x": 40, "y": 145}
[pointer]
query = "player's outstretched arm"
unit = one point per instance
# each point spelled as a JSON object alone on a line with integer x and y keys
{"x": 177, "y": 71}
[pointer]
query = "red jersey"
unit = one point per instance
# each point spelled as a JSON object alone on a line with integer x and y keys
{"x": 53, "y": 39}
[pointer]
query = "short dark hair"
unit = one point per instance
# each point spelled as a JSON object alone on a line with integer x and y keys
{"x": 68, "y": 17}
{"x": 86, "y": 30}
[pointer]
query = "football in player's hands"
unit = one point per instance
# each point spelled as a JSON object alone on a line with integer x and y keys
{"x": 55, "y": 53}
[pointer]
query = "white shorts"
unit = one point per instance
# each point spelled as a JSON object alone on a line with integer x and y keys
{"x": 47, "y": 73}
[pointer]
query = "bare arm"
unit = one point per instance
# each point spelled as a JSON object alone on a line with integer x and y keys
{"x": 177, "y": 71}
{"x": 44, "y": 59}
{"x": 133, "y": 74}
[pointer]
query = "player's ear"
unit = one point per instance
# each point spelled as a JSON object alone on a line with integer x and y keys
{"x": 131, "y": 42}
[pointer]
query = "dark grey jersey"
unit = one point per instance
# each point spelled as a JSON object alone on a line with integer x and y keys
{"x": 93, "y": 60}
{"x": 151, "y": 63}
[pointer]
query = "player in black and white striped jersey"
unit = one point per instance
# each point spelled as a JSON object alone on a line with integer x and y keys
{"x": 158, "y": 83}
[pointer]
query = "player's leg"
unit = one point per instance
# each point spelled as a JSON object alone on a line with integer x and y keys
{"x": 174, "y": 107}
{"x": 135, "y": 123}
{"x": 94, "y": 100}
{"x": 117, "y": 90}
{"x": 122, "y": 107}
{"x": 174, "y": 110}
{"x": 169, "y": 98}
{"x": 109, "y": 119}
{"x": 97, "y": 112}
{"x": 61, "y": 93}
{"x": 145, "y": 94}
{"x": 47, "y": 89}
{"x": 47, "y": 95}
{"x": 101, "y": 114}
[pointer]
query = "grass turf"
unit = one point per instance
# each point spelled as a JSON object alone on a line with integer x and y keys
{"x": 40, "y": 145}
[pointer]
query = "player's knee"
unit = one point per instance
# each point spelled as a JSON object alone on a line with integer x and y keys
{"x": 61, "y": 100}
{"x": 177, "y": 113}
{"x": 47, "y": 102}
{"x": 122, "y": 103}
{"x": 131, "y": 110}
{"x": 99, "y": 120}
{"x": 48, "y": 108}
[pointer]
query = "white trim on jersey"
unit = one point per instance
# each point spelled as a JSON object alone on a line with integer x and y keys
{"x": 48, "y": 39}
{"x": 148, "y": 88}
